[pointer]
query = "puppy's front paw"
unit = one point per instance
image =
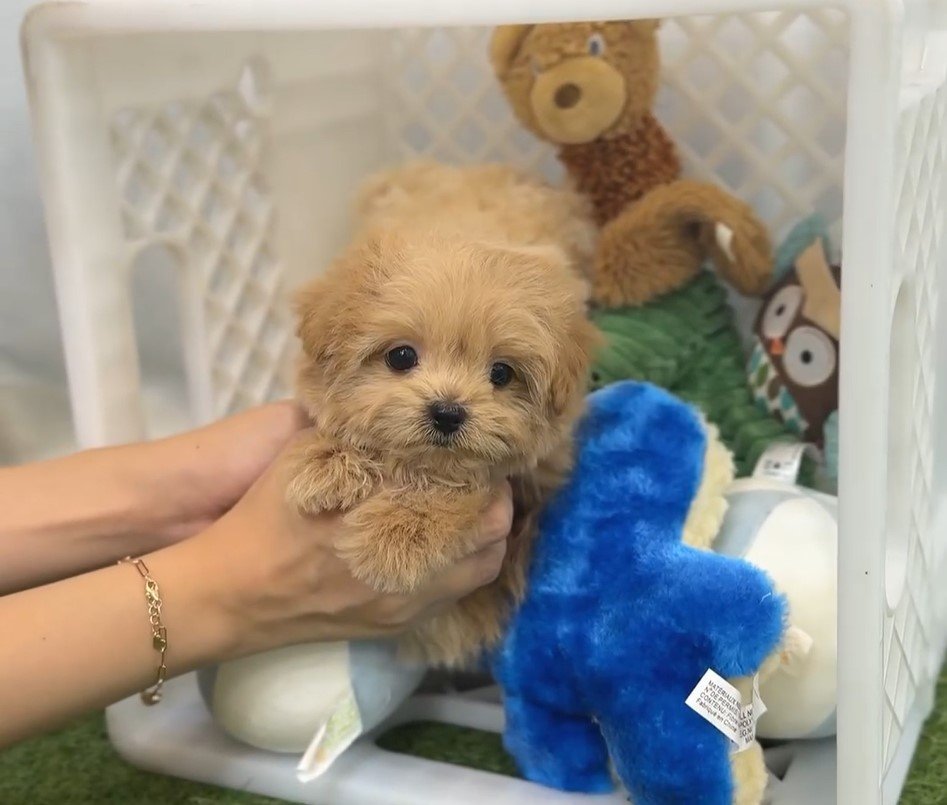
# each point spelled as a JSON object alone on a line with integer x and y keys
{"x": 395, "y": 545}
{"x": 327, "y": 478}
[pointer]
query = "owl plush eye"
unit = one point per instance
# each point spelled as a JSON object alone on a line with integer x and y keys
{"x": 810, "y": 357}
{"x": 596, "y": 45}
{"x": 781, "y": 311}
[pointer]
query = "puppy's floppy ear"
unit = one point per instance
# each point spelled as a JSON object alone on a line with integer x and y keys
{"x": 576, "y": 340}
{"x": 313, "y": 305}
{"x": 579, "y": 341}
{"x": 505, "y": 45}
{"x": 571, "y": 375}
{"x": 329, "y": 308}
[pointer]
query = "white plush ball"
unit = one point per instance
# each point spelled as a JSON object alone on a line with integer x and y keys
{"x": 278, "y": 700}
{"x": 792, "y": 534}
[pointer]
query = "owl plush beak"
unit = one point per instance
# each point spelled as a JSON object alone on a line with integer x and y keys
{"x": 776, "y": 347}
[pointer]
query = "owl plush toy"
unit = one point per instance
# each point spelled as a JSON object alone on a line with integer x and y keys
{"x": 794, "y": 365}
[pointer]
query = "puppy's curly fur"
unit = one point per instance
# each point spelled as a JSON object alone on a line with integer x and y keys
{"x": 468, "y": 267}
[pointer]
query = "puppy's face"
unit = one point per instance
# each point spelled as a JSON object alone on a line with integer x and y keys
{"x": 427, "y": 346}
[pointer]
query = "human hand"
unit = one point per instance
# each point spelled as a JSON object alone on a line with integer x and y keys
{"x": 192, "y": 479}
{"x": 132, "y": 499}
{"x": 260, "y": 577}
{"x": 281, "y": 581}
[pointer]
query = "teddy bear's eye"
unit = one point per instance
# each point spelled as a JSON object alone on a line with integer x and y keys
{"x": 596, "y": 45}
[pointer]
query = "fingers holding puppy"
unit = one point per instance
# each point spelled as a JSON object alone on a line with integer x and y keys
{"x": 482, "y": 566}
{"x": 497, "y": 518}
{"x": 286, "y": 583}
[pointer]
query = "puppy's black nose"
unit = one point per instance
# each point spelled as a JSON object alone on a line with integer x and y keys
{"x": 447, "y": 417}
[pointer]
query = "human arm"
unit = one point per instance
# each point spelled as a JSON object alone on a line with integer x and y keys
{"x": 73, "y": 514}
{"x": 261, "y": 577}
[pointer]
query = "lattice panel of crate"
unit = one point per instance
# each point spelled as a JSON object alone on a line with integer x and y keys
{"x": 910, "y": 633}
{"x": 755, "y": 100}
{"x": 192, "y": 177}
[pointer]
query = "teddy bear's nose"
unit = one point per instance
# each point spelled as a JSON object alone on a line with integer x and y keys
{"x": 567, "y": 96}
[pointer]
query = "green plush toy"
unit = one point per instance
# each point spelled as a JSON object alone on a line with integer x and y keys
{"x": 687, "y": 342}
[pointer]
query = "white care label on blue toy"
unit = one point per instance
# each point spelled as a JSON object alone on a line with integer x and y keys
{"x": 720, "y": 703}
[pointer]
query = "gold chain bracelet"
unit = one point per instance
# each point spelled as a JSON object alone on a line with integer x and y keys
{"x": 159, "y": 635}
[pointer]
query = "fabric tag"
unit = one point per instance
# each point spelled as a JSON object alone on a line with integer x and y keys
{"x": 724, "y": 236}
{"x": 717, "y": 701}
{"x": 757, "y": 708}
{"x": 335, "y": 736}
{"x": 781, "y": 462}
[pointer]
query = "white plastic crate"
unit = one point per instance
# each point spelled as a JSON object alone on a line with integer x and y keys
{"x": 203, "y": 154}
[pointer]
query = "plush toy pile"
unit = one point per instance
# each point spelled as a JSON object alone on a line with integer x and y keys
{"x": 590, "y": 90}
{"x": 624, "y": 611}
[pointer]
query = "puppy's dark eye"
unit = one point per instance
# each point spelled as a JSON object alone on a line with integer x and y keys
{"x": 401, "y": 359}
{"x": 501, "y": 374}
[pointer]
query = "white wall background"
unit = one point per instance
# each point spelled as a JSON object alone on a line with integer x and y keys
{"x": 34, "y": 414}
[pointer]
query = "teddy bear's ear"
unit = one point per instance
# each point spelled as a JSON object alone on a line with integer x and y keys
{"x": 504, "y": 45}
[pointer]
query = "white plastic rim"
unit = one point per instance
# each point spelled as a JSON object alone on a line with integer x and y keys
{"x": 899, "y": 465}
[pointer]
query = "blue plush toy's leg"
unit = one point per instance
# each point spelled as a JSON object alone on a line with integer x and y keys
{"x": 668, "y": 755}
{"x": 556, "y": 749}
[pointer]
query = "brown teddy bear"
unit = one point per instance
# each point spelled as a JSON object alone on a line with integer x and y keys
{"x": 590, "y": 88}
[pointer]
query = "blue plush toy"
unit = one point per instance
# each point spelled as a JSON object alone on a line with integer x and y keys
{"x": 622, "y": 619}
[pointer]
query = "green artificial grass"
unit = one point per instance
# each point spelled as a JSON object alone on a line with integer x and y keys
{"x": 77, "y": 766}
{"x": 462, "y": 746}
{"x": 927, "y": 782}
